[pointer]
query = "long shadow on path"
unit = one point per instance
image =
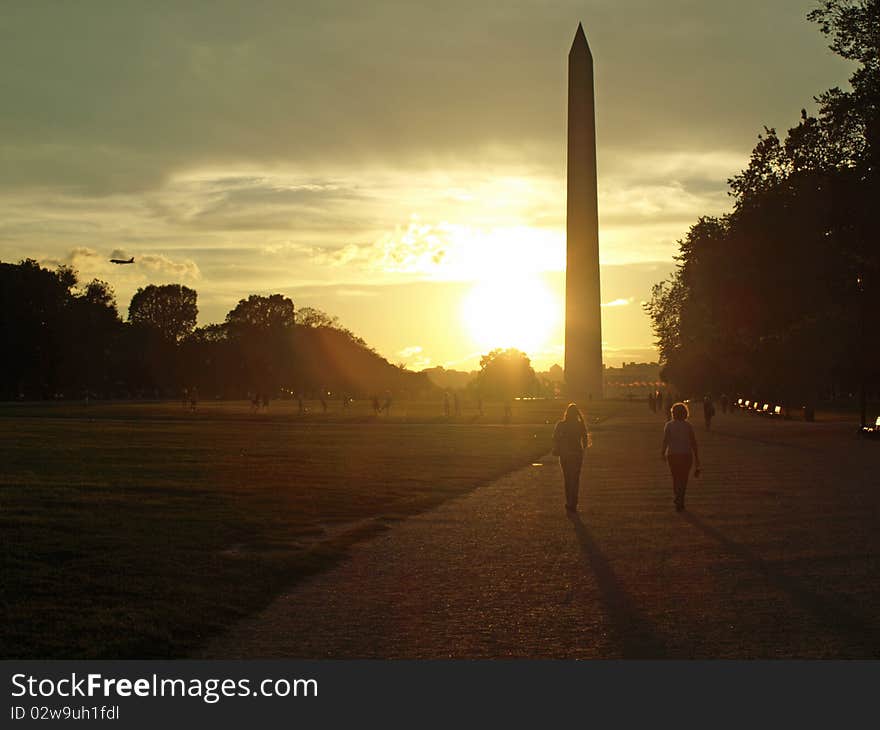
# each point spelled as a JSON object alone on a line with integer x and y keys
{"x": 632, "y": 634}
{"x": 861, "y": 635}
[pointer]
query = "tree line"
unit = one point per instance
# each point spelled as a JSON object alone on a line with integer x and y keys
{"x": 66, "y": 339}
{"x": 780, "y": 296}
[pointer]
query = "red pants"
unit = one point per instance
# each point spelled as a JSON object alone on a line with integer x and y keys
{"x": 680, "y": 466}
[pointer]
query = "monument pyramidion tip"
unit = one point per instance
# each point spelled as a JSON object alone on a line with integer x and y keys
{"x": 580, "y": 41}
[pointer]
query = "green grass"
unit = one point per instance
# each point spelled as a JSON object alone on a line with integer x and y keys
{"x": 138, "y": 529}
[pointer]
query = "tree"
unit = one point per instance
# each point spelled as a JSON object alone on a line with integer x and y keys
{"x": 263, "y": 330}
{"x": 211, "y": 361}
{"x": 170, "y": 309}
{"x": 93, "y": 327}
{"x": 768, "y": 296}
{"x": 854, "y": 29}
{"x": 261, "y": 313}
{"x": 33, "y": 319}
{"x": 506, "y": 374}
{"x": 58, "y": 339}
{"x": 312, "y": 317}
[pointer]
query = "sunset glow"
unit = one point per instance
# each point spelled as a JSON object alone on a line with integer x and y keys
{"x": 292, "y": 152}
{"x": 520, "y": 312}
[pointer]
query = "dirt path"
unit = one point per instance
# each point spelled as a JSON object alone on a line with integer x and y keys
{"x": 777, "y": 556}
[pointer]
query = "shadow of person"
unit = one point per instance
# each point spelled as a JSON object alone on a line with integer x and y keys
{"x": 861, "y": 635}
{"x": 633, "y": 635}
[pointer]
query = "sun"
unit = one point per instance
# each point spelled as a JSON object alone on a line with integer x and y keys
{"x": 520, "y": 312}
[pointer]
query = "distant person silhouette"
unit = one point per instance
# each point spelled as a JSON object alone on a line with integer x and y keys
{"x": 724, "y": 403}
{"x": 386, "y": 406}
{"x": 652, "y": 404}
{"x": 570, "y": 438}
{"x": 708, "y": 411}
{"x": 680, "y": 451}
{"x": 446, "y": 405}
{"x": 323, "y": 404}
{"x": 456, "y": 405}
{"x": 376, "y": 407}
{"x": 667, "y": 406}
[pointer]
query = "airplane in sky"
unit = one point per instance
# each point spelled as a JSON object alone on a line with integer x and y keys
{"x": 122, "y": 261}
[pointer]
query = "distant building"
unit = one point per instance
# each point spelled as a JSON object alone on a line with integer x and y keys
{"x": 632, "y": 379}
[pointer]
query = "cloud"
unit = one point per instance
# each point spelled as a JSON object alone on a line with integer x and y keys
{"x": 410, "y": 351}
{"x": 356, "y": 293}
{"x": 618, "y": 302}
{"x": 414, "y": 248}
{"x": 269, "y": 204}
{"x": 420, "y": 363}
{"x": 305, "y": 86}
{"x": 81, "y": 255}
{"x": 451, "y": 251}
{"x": 163, "y": 265}
{"x": 414, "y": 357}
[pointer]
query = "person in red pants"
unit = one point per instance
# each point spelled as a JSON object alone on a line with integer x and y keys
{"x": 680, "y": 451}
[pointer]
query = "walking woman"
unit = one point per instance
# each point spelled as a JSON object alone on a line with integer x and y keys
{"x": 680, "y": 450}
{"x": 570, "y": 438}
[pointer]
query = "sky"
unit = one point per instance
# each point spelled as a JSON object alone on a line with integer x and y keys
{"x": 400, "y": 165}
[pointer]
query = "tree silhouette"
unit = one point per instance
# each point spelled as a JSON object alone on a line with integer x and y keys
{"x": 262, "y": 314}
{"x": 263, "y": 330}
{"x": 56, "y": 338}
{"x": 93, "y": 329}
{"x": 312, "y": 317}
{"x": 766, "y": 298}
{"x": 61, "y": 339}
{"x": 506, "y": 374}
{"x": 170, "y": 309}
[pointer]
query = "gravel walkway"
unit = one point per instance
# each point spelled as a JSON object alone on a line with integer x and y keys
{"x": 777, "y": 556}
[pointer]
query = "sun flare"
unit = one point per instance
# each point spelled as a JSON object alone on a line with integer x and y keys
{"x": 519, "y": 312}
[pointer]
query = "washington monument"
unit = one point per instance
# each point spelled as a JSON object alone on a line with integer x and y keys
{"x": 583, "y": 318}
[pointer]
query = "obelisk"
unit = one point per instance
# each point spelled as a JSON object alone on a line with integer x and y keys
{"x": 583, "y": 318}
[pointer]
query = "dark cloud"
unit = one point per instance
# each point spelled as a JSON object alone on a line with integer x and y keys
{"x": 108, "y": 97}
{"x": 260, "y": 206}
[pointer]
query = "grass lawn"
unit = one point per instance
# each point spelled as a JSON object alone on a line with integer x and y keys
{"x": 137, "y": 530}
